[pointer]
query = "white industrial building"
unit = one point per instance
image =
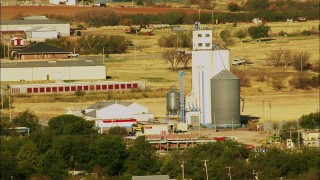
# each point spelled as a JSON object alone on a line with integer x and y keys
{"x": 27, "y": 23}
{"x": 66, "y": 2}
{"x": 52, "y": 70}
{"x": 207, "y": 61}
{"x": 311, "y": 138}
{"x": 118, "y": 113}
{"x": 39, "y": 33}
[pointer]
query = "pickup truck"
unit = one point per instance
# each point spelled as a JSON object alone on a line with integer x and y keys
{"x": 238, "y": 62}
{"x": 73, "y": 55}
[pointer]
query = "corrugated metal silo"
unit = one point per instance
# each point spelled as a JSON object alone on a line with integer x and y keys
{"x": 225, "y": 98}
{"x": 173, "y": 101}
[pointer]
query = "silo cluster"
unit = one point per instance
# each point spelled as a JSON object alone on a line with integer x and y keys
{"x": 215, "y": 90}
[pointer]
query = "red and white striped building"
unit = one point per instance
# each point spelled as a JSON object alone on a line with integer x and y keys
{"x": 75, "y": 86}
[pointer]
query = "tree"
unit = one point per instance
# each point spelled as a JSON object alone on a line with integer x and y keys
{"x": 52, "y": 165}
{"x": 109, "y": 152}
{"x": 71, "y": 125}
{"x": 233, "y": 6}
{"x": 27, "y": 119}
{"x": 259, "y": 31}
{"x": 184, "y": 58}
{"x": 310, "y": 121}
{"x": 225, "y": 35}
{"x": 28, "y": 159}
{"x": 241, "y": 34}
{"x": 142, "y": 159}
{"x": 171, "y": 57}
{"x": 118, "y": 131}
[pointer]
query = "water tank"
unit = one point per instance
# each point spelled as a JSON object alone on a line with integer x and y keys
{"x": 173, "y": 101}
{"x": 225, "y": 98}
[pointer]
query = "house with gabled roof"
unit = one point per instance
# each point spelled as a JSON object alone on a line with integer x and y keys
{"x": 38, "y": 51}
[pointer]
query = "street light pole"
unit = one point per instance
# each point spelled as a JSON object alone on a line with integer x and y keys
{"x": 229, "y": 172}
{"x": 182, "y": 167}
{"x": 205, "y": 165}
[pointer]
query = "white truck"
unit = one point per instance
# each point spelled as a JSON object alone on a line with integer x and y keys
{"x": 238, "y": 62}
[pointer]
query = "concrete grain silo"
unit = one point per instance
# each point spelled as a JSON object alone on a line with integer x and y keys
{"x": 225, "y": 99}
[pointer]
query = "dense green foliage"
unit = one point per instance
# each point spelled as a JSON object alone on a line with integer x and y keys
{"x": 259, "y": 31}
{"x": 71, "y": 143}
{"x": 92, "y": 44}
{"x": 310, "y": 121}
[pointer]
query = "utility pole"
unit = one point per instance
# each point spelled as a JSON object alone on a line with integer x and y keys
{"x": 263, "y": 110}
{"x": 229, "y": 172}
{"x": 103, "y": 54}
{"x": 270, "y": 109}
{"x": 255, "y": 174}
{"x": 135, "y": 45}
{"x": 205, "y": 165}
{"x": 199, "y": 15}
{"x": 182, "y": 167}
{"x": 10, "y": 117}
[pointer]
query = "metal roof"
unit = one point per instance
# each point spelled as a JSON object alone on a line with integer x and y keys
{"x": 61, "y": 63}
{"x": 100, "y": 105}
{"x": 225, "y": 74}
{"x": 30, "y": 21}
{"x": 17, "y": 32}
{"x": 41, "y": 47}
{"x": 39, "y": 28}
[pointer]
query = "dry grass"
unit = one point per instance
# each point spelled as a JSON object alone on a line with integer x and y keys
{"x": 146, "y": 64}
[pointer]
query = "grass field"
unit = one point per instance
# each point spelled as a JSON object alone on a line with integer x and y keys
{"x": 147, "y": 64}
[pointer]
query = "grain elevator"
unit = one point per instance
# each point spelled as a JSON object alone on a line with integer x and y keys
{"x": 208, "y": 84}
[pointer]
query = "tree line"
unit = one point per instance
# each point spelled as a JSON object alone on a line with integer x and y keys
{"x": 72, "y": 143}
{"x": 92, "y": 44}
{"x": 268, "y": 11}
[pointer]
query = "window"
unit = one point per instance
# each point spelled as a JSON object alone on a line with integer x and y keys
{"x": 207, "y": 35}
{"x": 199, "y": 35}
{"x": 207, "y": 44}
{"x": 199, "y": 44}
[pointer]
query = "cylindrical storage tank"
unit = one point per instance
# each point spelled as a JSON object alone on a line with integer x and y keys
{"x": 173, "y": 101}
{"x": 225, "y": 99}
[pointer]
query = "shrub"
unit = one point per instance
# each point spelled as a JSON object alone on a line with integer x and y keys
{"x": 245, "y": 81}
{"x": 306, "y": 33}
{"x": 233, "y": 6}
{"x": 300, "y": 60}
{"x": 300, "y": 82}
{"x": 79, "y": 93}
{"x": 278, "y": 83}
{"x": 282, "y": 33}
{"x": 280, "y": 57}
{"x": 261, "y": 78}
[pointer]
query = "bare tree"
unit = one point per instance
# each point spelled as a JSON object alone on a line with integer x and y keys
{"x": 171, "y": 56}
{"x": 184, "y": 57}
{"x": 280, "y": 57}
{"x": 300, "y": 60}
